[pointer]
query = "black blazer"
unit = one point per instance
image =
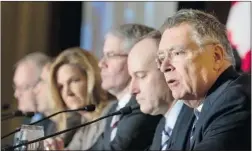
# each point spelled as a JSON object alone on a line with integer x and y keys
{"x": 184, "y": 115}
{"x": 224, "y": 122}
{"x": 135, "y": 131}
{"x": 178, "y": 141}
{"x": 156, "y": 143}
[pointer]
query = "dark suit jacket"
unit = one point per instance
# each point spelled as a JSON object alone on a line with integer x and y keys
{"x": 224, "y": 121}
{"x": 156, "y": 143}
{"x": 135, "y": 131}
{"x": 184, "y": 115}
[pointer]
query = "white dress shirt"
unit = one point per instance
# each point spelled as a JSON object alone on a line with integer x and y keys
{"x": 121, "y": 103}
{"x": 170, "y": 121}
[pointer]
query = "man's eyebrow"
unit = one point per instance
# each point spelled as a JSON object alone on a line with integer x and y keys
{"x": 160, "y": 51}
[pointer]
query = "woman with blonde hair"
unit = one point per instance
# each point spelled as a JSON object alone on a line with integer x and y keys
{"x": 74, "y": 83}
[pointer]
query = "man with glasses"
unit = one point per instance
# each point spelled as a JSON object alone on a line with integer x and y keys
{"x": 26, "y": 77}
{"x": 197, "y": 61}
{"x": 127, "y": 132}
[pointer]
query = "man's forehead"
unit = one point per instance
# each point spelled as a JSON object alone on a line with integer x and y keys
{"x": 25, "y": 73}
{"x": 112, "y": 43}
{"x": 143, "y": 55}
{"x": 175, "y": 36}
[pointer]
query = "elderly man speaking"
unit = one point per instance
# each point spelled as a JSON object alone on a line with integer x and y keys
{"x": 197, "y": 61}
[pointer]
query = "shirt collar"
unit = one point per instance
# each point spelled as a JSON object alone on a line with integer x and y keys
{"x": 123, "y": 101}
{"x": 197, "y": 111}
{"x": 172, "y": 115}
{"x": 199, "y": 108}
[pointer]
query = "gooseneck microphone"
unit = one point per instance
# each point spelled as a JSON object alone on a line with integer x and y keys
{"x": 88, "y": 108}
{"x": 123, "y": 111}
{"x": 16, "y": 114}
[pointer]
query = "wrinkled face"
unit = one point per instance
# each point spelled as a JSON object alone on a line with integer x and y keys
{"x": 114, "y": 69}
{"x": 41, "y": 90}
{"x": 72, "y": 84}
{"x": 25, "y": 78}
{"x": 148, "y": 83}
{"x": 189, "y": 70}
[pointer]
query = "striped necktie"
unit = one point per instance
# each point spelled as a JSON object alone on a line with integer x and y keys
{"x": 166, "y": 134}
{"x": 196, "y": 113}
{"x": 113, "y": 125}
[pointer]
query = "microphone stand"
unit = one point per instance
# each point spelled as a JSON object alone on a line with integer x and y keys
{"x": 18, "y": 129}
{"x": 125, "y": 110}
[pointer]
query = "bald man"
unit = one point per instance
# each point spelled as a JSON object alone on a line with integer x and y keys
{"x": 151, "y": 90}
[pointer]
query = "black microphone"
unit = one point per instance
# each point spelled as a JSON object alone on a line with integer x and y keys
{"x": 17, "y": 114}
{"x": 123, "y": 111}
{"x": 88, "y": 108}
{"x": 126, "y": 110}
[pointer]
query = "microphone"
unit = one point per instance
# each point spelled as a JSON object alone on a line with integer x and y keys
{"x": 17, "y": 114}
{"x": 88, "y": 108}
{"x": 123, "y": 111}
{"x": 126, "y": 110}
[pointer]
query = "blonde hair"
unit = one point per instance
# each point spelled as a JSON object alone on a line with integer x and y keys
{"x": 88, "y": 64}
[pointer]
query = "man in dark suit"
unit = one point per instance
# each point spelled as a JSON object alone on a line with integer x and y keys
{"x": 134, "y": 131}
{"x": 129, "y": 132}
{"x": 197, "y": 61}
{"x": 152, "y": 93}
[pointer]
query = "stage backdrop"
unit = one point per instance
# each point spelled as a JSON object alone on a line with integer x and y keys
{"x": 99, "y": 17}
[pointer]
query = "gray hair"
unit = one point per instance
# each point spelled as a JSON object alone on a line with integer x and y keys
{"x": 130, "y": 33}
{"x": 155, "y": 35}
{"x": 206, "y": 27}
{"x": 38, "y": 58}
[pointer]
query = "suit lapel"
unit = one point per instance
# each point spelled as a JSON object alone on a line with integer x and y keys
{"x": 159, "y": 137}
{"x": 156, "y": 144}
{"x": 180, "y": 132}
{"x": 113, "y": 109}
{"x": 218, "y": 88}
{"x": 108, "y": 128}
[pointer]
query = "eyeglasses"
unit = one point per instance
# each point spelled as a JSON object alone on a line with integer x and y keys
{"x": 174, "y": 54}
{"x": 111, "y": 55}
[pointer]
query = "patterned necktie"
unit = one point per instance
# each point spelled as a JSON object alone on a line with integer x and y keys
{"x": 166, "y": 134}
{"x": 113, "y": 125}
{"x": 196, "y": 113}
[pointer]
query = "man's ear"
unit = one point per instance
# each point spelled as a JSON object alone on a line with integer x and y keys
{"x": 218, "y": 56}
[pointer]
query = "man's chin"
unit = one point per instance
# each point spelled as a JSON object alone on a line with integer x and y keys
{"x": 105, "y": 86}
{"x": 176, "y": 95}
{"x": 146, "y": 110}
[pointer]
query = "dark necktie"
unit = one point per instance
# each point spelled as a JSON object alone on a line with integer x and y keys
{"x": 113, "y": 125}
{"x": 196, "y": 114}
